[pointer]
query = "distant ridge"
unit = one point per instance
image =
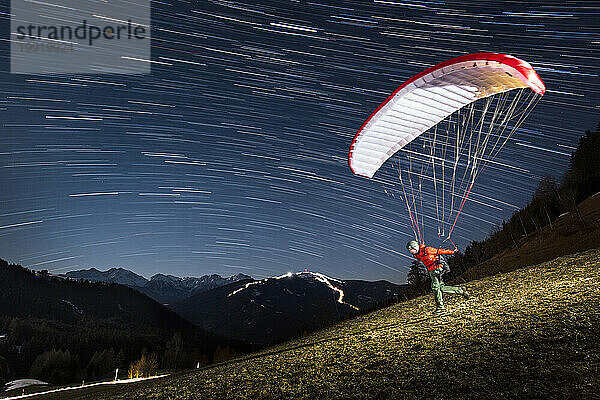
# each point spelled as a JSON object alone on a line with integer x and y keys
{"x": 278, "y": 308}
{"x": 166, "y": 289}
{"x": 121, "y": 276}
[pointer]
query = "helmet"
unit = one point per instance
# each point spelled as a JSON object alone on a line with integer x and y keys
{"x": 413, "y": 244}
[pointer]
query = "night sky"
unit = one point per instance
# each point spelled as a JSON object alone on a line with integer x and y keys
{"x": 231, "y": 157}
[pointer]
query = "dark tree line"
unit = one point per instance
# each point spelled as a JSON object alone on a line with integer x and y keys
{"x": 417, "y": 279}
{"x": 65, "y": 331}
{"x": 62, "y": 354}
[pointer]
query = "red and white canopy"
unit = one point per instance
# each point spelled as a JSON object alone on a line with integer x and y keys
{"x": 431, "y": 96}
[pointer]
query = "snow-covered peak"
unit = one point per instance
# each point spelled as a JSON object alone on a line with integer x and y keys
{"x": 163, "y": 288}
{"x": 166, "y": 278}
{"x": 113, "y": 275}
{"x": 317, "y": 276}
{"x": 238, "y": 277}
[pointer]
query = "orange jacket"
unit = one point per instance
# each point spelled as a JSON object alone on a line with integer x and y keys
{"x": 429, "y": 256}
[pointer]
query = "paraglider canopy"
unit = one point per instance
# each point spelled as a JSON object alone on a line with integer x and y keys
{"x": 429, "y": 97}
{"x": 447, "y": 124}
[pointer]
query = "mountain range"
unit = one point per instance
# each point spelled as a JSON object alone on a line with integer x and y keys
{"x": 279, "y": 308}
{"x": 261, "y": 312}
{"x": 166, "y": 289}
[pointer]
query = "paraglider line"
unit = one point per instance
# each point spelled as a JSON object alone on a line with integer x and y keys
{"x": 460, "y": 209}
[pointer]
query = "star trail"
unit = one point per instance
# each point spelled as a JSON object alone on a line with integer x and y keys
{"x": 231, "y": 156}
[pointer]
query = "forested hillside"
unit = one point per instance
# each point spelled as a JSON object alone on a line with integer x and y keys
{"x": 61, "y": 330}
{"x": 551, "y": 199}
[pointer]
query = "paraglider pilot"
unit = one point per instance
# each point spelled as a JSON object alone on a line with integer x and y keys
{"x": 436, "y": 268}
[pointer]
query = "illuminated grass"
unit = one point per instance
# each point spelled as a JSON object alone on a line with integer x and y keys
{"x": 530, "y": 333}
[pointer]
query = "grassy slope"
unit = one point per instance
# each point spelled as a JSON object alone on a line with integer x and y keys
{"x": 529, "y": 333}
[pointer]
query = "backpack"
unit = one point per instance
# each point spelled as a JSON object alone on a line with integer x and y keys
{"x": 445, "y": 267}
